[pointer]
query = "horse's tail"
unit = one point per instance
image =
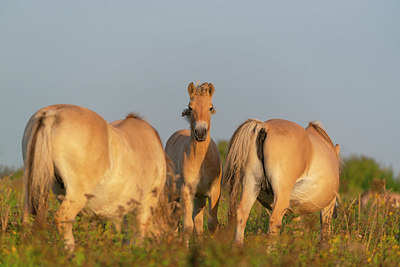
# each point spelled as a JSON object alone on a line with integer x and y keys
{"x": 39, "y": 169}
{"x": 242, "y": 145}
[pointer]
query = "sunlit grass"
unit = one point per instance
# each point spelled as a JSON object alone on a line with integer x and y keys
{"x": 360, "y": 236}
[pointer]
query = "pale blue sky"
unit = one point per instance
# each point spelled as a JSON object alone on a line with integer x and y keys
{"x": 333, "y": 61}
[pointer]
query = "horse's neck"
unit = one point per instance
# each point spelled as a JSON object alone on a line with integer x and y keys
{"x": 199, "y": 149}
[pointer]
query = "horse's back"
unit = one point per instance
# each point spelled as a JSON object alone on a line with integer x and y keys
{"x": 134, "y": 129}
{"x": 78, "y": 135}
{"x": 136, "y": 141}
{"x": 138, "y": 168}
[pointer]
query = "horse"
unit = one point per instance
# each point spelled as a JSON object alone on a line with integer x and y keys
{"x": 285, "y": 167}
{"x": 389, "y": 198}
{"x": 379, "y": 195}
{"x": 91, "y": 165}
{"x": 197, "y": 162}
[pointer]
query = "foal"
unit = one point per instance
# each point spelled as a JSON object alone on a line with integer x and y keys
{"x": 197, "y": 161}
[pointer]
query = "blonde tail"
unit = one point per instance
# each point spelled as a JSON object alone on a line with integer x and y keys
{"x": 39, "y": 169}
{"x": 241, "y": 145}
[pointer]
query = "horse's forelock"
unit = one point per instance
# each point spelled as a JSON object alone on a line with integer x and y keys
{"x": 203, "y": 89}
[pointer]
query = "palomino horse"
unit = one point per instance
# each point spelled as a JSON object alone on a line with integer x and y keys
{"x": 109, "y": 169}
{"x": 284, "y": 166}
{"x": 389, "y": 198}
{"x": 197, "y": 161}
{"x": 379, "y": 195}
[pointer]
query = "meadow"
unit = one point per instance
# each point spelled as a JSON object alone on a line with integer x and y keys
{"x": 360, "y": 236}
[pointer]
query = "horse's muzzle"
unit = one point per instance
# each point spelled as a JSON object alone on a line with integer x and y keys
{"x": 200, "y": 134}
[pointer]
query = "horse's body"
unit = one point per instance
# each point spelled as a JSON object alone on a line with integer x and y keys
{"x": 389, "y": 198}
{"x": 284, "y": 166}
{"x": 109, "y": 169}
{"x": 197, "y": 161}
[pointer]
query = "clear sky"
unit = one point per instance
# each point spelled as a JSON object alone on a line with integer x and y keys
{"x": 333, "y": 61}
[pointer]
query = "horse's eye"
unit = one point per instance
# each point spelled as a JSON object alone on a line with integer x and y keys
{"x": 189, "y": 108}
{"x": 212, "y": 108}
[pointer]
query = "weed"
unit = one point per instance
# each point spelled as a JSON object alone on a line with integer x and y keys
{"x": 367, "y": 235}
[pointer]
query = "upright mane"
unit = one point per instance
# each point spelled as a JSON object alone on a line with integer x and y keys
{"x": 133, "y": 116}
{"x": 321, "y": 131}
{"x": 203, "y": 89}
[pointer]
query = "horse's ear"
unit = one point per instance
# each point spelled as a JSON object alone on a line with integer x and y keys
{"x": 191, "y": 89}
{"x": 337, "y": 148}
{"x": 211, "y": 89}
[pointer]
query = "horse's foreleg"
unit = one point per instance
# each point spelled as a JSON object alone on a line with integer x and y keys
{"x": 187, "y": 195}
{"x": 326, "y": 218}
{"x": 65, "y": 217}
{"x": 213, "y": 204}
{"x": 250, "y": 192}
{"x": 198, "y": 211}
{"x": 146, "y": 215}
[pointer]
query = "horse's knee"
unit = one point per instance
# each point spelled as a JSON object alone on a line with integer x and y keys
{"x": 188, "y": 227}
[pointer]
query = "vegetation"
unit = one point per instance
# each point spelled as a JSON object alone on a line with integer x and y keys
{"x": 358, "y": 172}
{"x": 368, "y": 235}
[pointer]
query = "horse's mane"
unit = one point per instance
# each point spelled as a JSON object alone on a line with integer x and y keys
{"x": 317, "y": 126}
{"x": 133, "y": 115}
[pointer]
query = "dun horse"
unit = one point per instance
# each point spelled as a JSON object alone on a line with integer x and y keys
{"x": 109, "y": 169}
{"x": 379, "y": 195}
{"x": 284, "y": 166}
{"x": 197, "y": 161}
{"x": 389, "y": 198}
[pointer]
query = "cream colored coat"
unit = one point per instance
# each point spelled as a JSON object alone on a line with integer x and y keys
{"x": 284, "y": 166}
{"x": 107, "y": 169}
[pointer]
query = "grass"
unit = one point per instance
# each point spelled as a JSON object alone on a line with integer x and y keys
{"x": 368, "y": 236}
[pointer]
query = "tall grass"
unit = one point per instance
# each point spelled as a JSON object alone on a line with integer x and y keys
{"x": 360, "y": 236}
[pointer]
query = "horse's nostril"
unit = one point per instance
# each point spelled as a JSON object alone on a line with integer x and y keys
{"x": 200, "y": 133}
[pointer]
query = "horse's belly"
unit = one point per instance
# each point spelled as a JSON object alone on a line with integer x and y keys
{"x": 205, "y": 184}
{"x": 116, "y": 197}
{"x": 109, "y": 206}
{"x": 203, "y": 189}
{"x": 312, "y": 193}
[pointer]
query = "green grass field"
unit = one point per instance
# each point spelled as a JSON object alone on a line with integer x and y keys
{"x": 360, "y": 236}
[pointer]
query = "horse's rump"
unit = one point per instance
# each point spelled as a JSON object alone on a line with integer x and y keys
{"x": 109, "y": 169}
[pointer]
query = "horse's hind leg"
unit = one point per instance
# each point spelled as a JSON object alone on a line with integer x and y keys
{"x": 146, "y": 216}
{"x": 198, "y": 211}
{"x": 326, "y": 218}
{"x": 65, "y": 217}
{"x": 280, "y": 206}
{"x": 250, "y": 192}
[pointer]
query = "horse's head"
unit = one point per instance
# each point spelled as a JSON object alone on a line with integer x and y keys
{"x": 200, "y": 109}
